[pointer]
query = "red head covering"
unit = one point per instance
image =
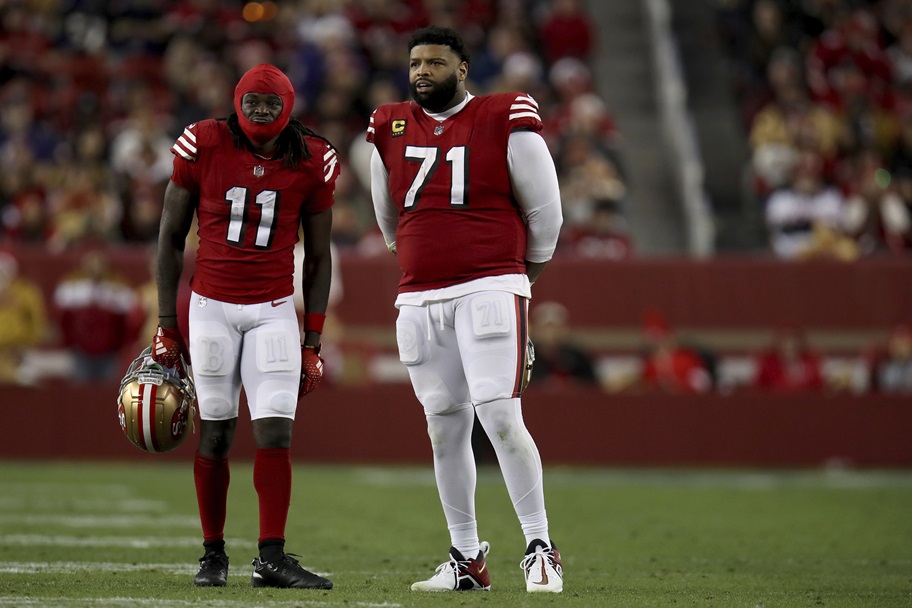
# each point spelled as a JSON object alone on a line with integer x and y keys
{"x": 267, "y": 79}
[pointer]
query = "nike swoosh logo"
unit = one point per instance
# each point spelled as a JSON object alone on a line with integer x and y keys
{"x": 274, "y": 303}
{"x": 482, "y": 567}
{"x": 544, "y": 580}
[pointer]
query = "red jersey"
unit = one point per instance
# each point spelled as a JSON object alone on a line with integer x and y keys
{"x": 458, "y": 217}
{"x": 248, "y": 212}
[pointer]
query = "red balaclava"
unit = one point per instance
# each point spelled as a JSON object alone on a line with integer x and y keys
{"x": 268, "y": 79}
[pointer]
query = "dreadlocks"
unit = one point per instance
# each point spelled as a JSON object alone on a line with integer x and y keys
{"x": 291, "y": 145}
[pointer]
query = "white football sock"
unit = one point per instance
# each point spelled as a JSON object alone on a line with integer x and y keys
{"x": 520, "y": 464}
{"x": 454, "y": 468}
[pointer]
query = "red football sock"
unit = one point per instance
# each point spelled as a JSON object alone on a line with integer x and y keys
{"x": 211, "y": 476}
{"x": 272, "y": 480}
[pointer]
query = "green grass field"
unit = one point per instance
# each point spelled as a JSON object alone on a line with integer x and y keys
{"x": 112, "y": 535}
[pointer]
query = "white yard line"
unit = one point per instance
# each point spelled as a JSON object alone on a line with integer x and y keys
{"x": 136, "y": 542}
{"x": 63, "y": 567}
{"x": 100, "y": 521}
{"x": 70, "y": 567}
{"x": 52, "y": 504}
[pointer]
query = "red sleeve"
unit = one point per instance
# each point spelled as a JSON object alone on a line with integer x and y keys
{"x": 372, "y": 127}
{"x": 184, "y": 174}
{"x": 523, "y": 113}
{"x": 327, "y": 160}
{"x": 185, "y": 171}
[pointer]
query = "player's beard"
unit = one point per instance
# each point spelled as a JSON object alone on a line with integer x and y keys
{"x": 439, "y": 97}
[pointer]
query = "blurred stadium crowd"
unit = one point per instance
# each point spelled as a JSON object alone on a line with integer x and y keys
{"x": 824, "y": 89}
{"x": 94, "y": 93}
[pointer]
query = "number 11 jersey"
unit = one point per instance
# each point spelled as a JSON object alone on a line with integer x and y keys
{"x": 249, "y": 210}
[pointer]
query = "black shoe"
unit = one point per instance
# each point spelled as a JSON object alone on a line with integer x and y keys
{"x": 213, "y": 570}
{"x": 286, "y": 574}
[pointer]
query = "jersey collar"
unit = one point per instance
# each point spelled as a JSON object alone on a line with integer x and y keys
{"x": 441, "y": 116}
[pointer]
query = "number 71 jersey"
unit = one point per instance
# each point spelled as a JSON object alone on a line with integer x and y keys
{"x": 458, "y": 217}
{"x": 249, "y": 211}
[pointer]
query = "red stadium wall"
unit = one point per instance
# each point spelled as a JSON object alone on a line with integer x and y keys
{"x": 384, "y": 424}
{"x": 721, "y": 293}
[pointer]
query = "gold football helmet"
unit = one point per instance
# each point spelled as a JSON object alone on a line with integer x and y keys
{"x": 155, "y": 404}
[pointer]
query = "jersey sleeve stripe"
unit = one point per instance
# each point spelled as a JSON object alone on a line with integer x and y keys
{"x": 527, "y": 99}
{"x": 524, "y": 106}
{"x": 186, "y": 145}
{"x": 330, "y": 167}
{"x": 517, "y": 115}
{"x": 179, "y": 149}
{"x": 185, "y": 142}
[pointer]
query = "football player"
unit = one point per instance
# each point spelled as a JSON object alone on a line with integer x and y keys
{"x": 466, "y": 195}
{"x": 252, "y": 179}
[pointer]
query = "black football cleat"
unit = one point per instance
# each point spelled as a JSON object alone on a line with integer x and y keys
{"x": 213, "y": 570}
{"x": 286, "y": 573}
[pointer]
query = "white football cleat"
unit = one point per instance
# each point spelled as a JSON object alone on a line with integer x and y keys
{"x": 542, "y": 568}
{"x": 459, "y": 573}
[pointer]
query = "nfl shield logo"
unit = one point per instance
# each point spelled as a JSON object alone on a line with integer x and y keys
{"x": 438, "y": 130}
{"x": 258, "y": 171}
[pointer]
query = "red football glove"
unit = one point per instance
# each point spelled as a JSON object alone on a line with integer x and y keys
{"x": 167, "y": 348}
{"x": 311, "y": 369}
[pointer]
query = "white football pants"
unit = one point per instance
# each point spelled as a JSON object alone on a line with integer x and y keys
{"x": 464, "y": 354}
{"x": 258, "y": 345}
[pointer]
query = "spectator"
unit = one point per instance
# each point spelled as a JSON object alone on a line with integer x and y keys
{"x": 567, "y": 30}
{"x": 769, "y": 34}
{"x": 875, "y": 214}
{"x": 141, "y": 162}
{"x": 502, "y": 41}
{"x": 786, "y": 127}
{"x": 900, "y": 54}
{"x": 865, "y": 110}
{"x": 670, "y": 366}
{"x": 902, "y": 180}
{"x": 852, "y": 40}
{"x": 94, "y": 304}
{"x": 894, "y": 372}
{"x": 801, "y": 215}
{"x": 605, "y": 236}
{"x": 23, "y": 322}
{"x": 789, "y": 365}
{"x": 784, "y": 72}
{"x": 19, "y": 125}
{"x": 23, "y": 205}
{"x": 558, "y": 360}
{"x": 83, "y": 209}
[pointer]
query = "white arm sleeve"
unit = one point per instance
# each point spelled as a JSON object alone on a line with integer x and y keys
{"x": 534, "y": 180}
{"x": 384, "y": 207}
